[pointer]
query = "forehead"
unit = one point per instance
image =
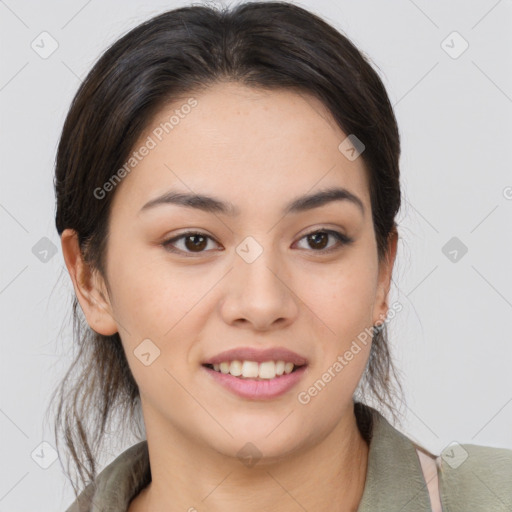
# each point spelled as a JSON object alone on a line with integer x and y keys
{"x": 232, "y": 141}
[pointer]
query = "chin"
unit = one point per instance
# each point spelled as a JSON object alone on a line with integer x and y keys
{"x": 263, "y": 445}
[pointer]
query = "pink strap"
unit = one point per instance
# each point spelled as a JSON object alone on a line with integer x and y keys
{"x": 429, "y": 467}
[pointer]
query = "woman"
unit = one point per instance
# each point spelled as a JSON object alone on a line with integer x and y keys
{"x": 227, "y": 185}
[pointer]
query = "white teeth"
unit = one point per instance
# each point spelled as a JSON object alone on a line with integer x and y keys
{"x": 267, "y": 370}
{"x": 236, "y": 368}
{"x": 288, "y": 367}
{"x": 253, "y": 370}
{"x": 249, "y": 369}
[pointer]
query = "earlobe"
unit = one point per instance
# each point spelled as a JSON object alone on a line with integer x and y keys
{"x": 89, "y": 287}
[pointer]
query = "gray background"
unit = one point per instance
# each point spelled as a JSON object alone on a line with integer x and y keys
{"x": 452, "y": 339}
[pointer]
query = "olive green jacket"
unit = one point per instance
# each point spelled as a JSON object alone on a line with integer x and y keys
{"x": 471, "y": 478}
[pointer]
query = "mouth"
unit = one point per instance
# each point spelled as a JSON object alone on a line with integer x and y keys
{"x": 256, "y": 381}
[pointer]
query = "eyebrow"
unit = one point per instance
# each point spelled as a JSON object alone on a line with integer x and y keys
{"x": 214, "y": 205}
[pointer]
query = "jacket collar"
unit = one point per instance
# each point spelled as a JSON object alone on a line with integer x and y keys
{"x": 394, "y": 478}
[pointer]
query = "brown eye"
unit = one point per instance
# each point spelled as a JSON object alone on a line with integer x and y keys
{"x": 319, "y": 239}
{"x": 197, "y": 242}
{"x": 193, "y": 242}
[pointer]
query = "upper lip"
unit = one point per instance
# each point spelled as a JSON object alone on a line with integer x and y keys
{"x": 258, "y": 355}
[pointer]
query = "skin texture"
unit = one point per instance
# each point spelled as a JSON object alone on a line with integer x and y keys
{"x": 259, "y": 150}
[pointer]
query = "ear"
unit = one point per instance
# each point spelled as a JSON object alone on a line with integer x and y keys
{"x": 380, "y": 309}
{"x": 90, "y": 289}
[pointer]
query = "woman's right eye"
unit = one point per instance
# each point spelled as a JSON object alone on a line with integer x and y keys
{"x": 197, "y": 243}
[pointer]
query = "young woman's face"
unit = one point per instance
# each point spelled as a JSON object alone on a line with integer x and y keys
{"x": 248, "y": 278}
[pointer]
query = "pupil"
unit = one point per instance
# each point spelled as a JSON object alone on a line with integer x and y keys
{"x": 315, "y": 240}
{"x": 195, "y": 245}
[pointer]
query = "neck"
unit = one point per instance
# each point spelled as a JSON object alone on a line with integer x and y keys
{"x": 188, "y": 477}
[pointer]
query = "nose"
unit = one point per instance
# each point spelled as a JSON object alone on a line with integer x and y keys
{"x": 259, "y": 292}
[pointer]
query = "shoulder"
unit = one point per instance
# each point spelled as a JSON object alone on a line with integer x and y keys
{"x": 463, "y": 478}
{"x": 479, "y": 477}
{"x": 115, "y": 486}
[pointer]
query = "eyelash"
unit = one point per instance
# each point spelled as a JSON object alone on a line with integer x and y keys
{"x": 342, "y": 239}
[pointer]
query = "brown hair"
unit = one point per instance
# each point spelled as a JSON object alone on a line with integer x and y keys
{"x": 268, "y": 45}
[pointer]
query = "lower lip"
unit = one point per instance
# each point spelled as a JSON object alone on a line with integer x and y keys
{"x": 258, "y": 389}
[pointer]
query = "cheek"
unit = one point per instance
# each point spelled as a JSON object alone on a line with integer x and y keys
{"x": 156, "y": 308}
{"x": 343, "y": 334}
{"x": 151, "y": 298}
{"x": 343, "y": 297}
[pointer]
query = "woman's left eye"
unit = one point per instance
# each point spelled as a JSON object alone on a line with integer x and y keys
{"x": 320, "y": 237}
{"x": 195, "y": 242}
